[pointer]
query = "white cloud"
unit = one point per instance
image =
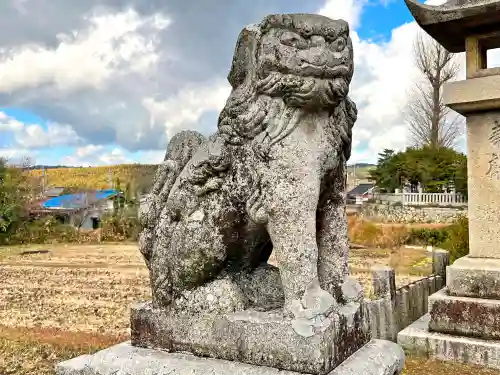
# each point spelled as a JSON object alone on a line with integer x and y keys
{"x": 348, "y": 10}
{"x": 115, "y": 75}
{"x": 150, "y": 157}
{"x": 91, "y": 155}
{"x": 95, "y": 155}
{"x": 183, "y": 110}
{"x": 15, "y": 154}
{"x": 383, "y": 75}
{"x": 34, "y": 136}
{"x": 112, "y": 44}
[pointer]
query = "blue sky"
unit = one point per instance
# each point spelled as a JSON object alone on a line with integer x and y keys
{"x": 110, "y": 81}
{"x": 379, "y": 19}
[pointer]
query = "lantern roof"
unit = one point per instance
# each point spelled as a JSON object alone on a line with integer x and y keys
{"x": 451, "y": 23}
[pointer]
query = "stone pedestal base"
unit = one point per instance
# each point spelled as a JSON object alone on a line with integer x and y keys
{"x": 474, "y": 277}
{"x": 464, "y": 316}
{"x": 253, "y": 337}
{"x": 375, "y": 358}
{"x": 418, "y": 339}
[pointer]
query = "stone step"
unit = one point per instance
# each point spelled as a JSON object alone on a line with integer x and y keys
{"x": 378, "y": 357}
{"x": 464, "y": 316}
{"x": 416, "y": 339}
{"x": 474, "y": 277}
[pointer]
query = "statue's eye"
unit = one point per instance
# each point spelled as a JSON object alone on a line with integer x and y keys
{"x": 339, "y": 44}
{"x": 292, "y": 39}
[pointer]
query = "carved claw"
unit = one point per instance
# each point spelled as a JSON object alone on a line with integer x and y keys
{"x": 311, "y": 314}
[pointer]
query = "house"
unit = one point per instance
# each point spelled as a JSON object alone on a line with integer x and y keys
{"x": 83, "y": 210}
{"x": 53, "y": 192}
{"x": 361, "y": 193}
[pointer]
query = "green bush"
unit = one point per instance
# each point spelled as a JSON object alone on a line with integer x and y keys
{"x": 120, "y": 227}
{"x": 429, "y": 236}
{"x": 454, "y": 238}
{"x": 457, "y": 242}
{"x": 40, "y": 231}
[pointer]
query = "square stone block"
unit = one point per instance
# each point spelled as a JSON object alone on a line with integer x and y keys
{"x": 474, "y": 277}
{"x": 375, "y": 358}
{"x": 253, "y": 337}
{"x": 418, "y": 340}
{"x": 464, "y": 316}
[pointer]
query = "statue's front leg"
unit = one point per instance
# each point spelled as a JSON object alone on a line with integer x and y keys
{"x": 333, "y": 242}
{"x": 333, "y": 245}
{"x": 292, "y": 228}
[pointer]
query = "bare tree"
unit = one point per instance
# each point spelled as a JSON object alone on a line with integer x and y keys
{"x": 430, "y": 121}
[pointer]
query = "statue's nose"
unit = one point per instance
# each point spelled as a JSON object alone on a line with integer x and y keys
{"x": 317, "y": 55}
{"x": 317, "y": 40}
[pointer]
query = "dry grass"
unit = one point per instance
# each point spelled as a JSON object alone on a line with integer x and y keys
{"x": 419, "y": 366}
{"x": 26, "y": 351}
{"x": 79, "y": 288}
{"x": 76, "y": 299}
{"x": 376, "y": 235}
{"x": 405, "y": 262}
{"x": 383, "y": 235}
{"x": 98, "y": 177}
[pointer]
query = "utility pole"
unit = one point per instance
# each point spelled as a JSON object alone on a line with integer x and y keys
{"x": 110, "y": 178}
{"x": 43, "y": 180}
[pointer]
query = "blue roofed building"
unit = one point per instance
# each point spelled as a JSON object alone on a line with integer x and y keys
{"x": 83, "y": 209}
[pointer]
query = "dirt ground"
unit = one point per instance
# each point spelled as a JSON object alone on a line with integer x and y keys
{"x": 75, "y": 299}
{"x": 80, "y": 288}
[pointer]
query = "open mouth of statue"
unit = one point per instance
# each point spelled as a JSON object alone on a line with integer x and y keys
{"x": 324, "y": 71}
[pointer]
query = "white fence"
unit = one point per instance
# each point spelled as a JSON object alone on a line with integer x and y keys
{"x": 423, "y": 199}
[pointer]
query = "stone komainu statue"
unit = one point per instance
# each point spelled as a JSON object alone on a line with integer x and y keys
{"x": 271, "y": 179}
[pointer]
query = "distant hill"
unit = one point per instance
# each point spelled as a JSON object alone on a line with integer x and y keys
{"x": 362, "y": 165}
{"x": 140, "y": 176}
{"x": 360, "y": 169}
{"x": 35, "y": 167}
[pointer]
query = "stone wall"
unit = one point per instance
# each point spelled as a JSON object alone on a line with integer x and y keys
{"x": 395, "y": 309}
{"x": 410, "y": 214}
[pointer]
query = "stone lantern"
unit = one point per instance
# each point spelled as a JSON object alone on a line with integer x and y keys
{"x": 463, "y": 323}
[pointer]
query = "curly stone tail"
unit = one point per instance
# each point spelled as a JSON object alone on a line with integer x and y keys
{"x": 179, "y": 151}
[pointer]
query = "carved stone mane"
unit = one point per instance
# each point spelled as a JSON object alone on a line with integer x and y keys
{"x": 249, "y": 118}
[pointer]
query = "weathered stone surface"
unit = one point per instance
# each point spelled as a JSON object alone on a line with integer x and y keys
{"x": 264, "y": 338}
{"x": 376, "y": 358}
{"x": 183, "y": 145}
{"x": 388, "y": 213}
{"x": 483, "y": 150}
{"x": 417, "y": 339}
{"x": 264, "y": 181}
{"x": 384, "y": 281}
{"x": 127, "y": 359}
{"x": 464, "y": 316}
{"x": 474, "y": 277}
{"x": 272, "y": 178}
{"x": 352, "y": 291}
{"x": 78, "y": 365}
{"x": 440, "y": 261}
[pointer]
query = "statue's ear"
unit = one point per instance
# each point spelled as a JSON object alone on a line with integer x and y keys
{"x": 245, "y": 55}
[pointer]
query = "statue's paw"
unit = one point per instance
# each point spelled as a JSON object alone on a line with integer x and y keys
{"x": 311, "y": 314}
{"x": 308, "y": 321}
{"x": 352, "y": 291}
{"x": 317, "y": 300}
{"x": 219, "y": 296}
